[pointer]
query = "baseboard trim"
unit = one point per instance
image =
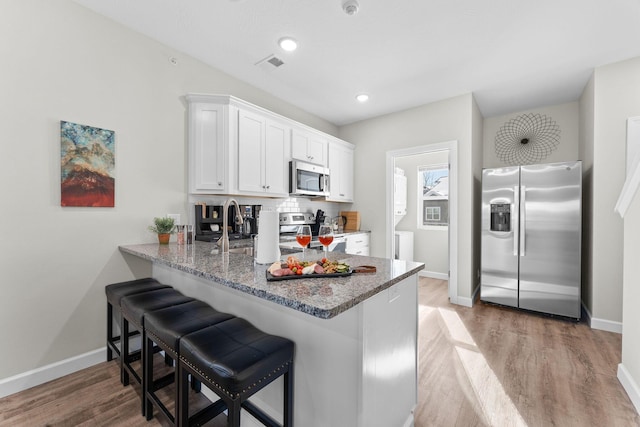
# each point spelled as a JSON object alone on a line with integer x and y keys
{"x": 50, "y": 372}
{"x": 433, "y": 275}
{"x": 601, "y": 324}
{"x": 630, "y": 386}
{"x": 463, "y": 301}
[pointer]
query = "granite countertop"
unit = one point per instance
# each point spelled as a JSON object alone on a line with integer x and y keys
{"x": 319, "y": 297}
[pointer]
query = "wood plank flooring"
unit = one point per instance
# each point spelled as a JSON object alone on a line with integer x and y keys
{"x": 494, "y": 366}
{"x": 480, "y": 366}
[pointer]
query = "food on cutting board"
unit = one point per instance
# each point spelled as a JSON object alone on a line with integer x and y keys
{"x": 293, "y": 266}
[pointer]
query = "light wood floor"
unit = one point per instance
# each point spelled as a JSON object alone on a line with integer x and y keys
{"x": 480, "y": 366}
{"x": 493, "y": 366}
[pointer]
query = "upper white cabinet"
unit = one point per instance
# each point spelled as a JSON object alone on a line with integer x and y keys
{"x": 208, "y": 146}
{"x": 237, "y": 148}
{"x": 308, "y": 147}
{"x": 341, "y": 171}
{"x": 263, "y": 155}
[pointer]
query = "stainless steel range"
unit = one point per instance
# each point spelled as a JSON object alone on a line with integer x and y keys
{"x": 289, "y": 223}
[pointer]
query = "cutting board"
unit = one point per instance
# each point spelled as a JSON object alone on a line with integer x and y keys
{"x": 353, "y": 220}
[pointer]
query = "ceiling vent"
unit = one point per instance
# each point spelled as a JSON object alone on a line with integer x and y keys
{"x": 270, "y": 62}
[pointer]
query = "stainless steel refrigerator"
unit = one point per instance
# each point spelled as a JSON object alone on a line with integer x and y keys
{"x": 531, "y": 233}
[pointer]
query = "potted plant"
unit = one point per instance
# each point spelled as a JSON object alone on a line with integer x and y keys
{"x": 164, "y": 227}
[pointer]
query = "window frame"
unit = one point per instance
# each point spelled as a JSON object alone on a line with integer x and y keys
{"x": 422, "y": 209}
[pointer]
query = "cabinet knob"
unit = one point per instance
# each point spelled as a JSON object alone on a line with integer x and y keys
{"x": 341, "y": 195}
{"x": 268, "y": 187}
{"x": 220, "y": 183}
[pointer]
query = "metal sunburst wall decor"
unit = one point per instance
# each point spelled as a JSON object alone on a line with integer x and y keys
{"x": 527, "y": 139}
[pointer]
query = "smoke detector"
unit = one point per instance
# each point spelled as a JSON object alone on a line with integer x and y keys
{"x": 350, "y": 7}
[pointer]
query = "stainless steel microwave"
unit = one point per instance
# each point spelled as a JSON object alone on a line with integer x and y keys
{"x": 308, "y": 180}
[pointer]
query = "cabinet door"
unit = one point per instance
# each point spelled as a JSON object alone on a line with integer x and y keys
{"x": 251, "y": 130}
{"x": 308, "y": 147}
{"x": 357, "y": 244}
{"x": 276, "y": 159}
{"x": 341, "y": 178}
{"x": 317, "y": 150}
{"x": 207, "y": 148}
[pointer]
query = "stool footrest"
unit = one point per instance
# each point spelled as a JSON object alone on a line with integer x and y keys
{"x": 163, "y": 381}
{"x": 260, "y": 415}
{"x": 208, "y": 413}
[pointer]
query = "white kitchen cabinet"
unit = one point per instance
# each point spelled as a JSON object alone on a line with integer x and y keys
{"x": 237, "y": 148}
{"x": 357, "y": 243}
{"x": 263, "y": 155}
{"x": 208, "y": 147}
{"x": 308, "y": 147}
{"x": 341, "y": 171}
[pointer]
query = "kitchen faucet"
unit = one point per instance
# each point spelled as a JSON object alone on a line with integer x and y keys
{"x": 223, "y": 242}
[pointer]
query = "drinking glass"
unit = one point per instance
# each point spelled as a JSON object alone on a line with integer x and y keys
{"x": 303, "y": 238}
{"x": 325, "y": 236}
{"x": 180, "y": 229}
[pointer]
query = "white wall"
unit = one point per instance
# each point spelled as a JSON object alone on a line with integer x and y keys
{"x": 63, "y": 62}
{"x": 616, "y": 244}
{"x": 431, "y": 246}
{"x": 631, "y": 314}
{"x": 451, "y": 119}
{"x": 616, "y": 97}
{"x": 565, "y": 115}
{"x": 586, "y": 150}
{"x": 477, "y": 131}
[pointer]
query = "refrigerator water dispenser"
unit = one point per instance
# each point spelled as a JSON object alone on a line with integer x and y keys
{"x": 501, "y": 217}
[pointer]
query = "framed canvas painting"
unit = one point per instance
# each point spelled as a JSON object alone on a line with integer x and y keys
{"x": 87, "y": 162}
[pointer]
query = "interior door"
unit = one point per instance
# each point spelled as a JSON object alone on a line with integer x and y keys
{"x": 550, "y": 247}
{"x": 499, "y": 259}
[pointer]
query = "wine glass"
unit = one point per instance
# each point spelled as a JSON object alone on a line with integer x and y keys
{"x": 303, "y": 237}
{"x": 325, "y": 236}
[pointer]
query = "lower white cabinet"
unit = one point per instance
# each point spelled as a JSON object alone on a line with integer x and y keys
{"x": 358, "y": 243}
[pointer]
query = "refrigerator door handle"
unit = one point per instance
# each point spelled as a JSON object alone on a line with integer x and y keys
{"x": 514, "y": 218}
{"x": 523, "y": 219}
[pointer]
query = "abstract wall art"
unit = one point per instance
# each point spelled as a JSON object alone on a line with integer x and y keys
{"x": 527, "y": 139}
{"x": 87, "y": 162}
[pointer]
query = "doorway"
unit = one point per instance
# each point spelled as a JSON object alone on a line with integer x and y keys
{"x": 451, "y": 147}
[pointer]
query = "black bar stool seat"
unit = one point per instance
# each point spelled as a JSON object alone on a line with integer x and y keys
{"x": 165, "y": 327}
{"x": 115, "y": 292}
{"x": 235, "y": 360}
{"x": 133, "y": 309}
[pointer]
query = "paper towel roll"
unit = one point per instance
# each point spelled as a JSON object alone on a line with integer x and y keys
{"x": 268, "y": 237}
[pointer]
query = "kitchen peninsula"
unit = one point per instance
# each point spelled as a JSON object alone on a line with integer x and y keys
{"x": 356, "y": 336}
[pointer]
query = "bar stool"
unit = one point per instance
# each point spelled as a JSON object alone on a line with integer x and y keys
{"x": 235, "y": 360}
{"x": 115, "y": 292}
{"x": 133, "y": 309}
{"x": 165, "y": 327}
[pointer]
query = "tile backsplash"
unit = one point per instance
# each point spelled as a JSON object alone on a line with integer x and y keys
{"x": 290, "y": 204}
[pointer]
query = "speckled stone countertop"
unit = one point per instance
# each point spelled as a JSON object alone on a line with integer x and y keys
{"x": 319, "y": 297}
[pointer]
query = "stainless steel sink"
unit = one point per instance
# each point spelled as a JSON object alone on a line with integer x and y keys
{"x": 246, "y": 251}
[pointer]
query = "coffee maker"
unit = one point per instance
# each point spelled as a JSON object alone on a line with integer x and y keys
{"x": 249, "y": 215}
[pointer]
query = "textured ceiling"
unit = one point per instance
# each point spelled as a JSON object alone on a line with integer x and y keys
{"x": 511, "y": 54}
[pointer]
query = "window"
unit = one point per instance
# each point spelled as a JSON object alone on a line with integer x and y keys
{"x": 434, "y": 182}
{"x": 432, "y": 213}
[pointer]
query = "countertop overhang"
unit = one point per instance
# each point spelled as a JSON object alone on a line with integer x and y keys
{"x": 320, "y": 297}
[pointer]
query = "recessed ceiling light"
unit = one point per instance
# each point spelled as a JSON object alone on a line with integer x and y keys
{"x": 288, "y": 44}
{"x": 362, "y": 97}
